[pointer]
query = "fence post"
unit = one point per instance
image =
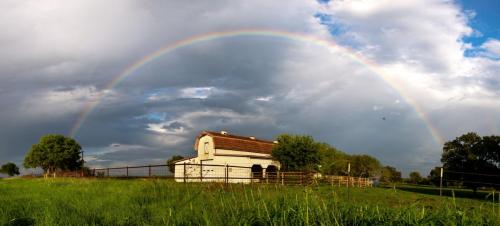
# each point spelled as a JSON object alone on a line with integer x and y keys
{"x": 93, "y": 172}
{"x": 441, "y": 183}
{"x": 107, "y": 171}
{"x": 227, "y": 174}
{"x": 278, "y": 177}
{"x": 149, "y": 170}
{"x": 348, "y": 178}
{"x": 184, "y": 172}
{"x": 127, "y": 171}
{"x": 201, "y": 171}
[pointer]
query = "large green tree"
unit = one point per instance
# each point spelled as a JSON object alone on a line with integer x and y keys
{"x": 54, "y": 152}
{"x": 470, "y": 158}
{"x": 297, "y": 152}
{"x": 171, "y": 162}
{"x": 10, "y": 169}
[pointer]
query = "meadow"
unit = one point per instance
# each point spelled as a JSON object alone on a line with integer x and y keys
{"x": 165, "y": 202}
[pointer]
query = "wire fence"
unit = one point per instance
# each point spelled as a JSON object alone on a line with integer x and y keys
{"x": 188, "y": 172}
{"x": 452, "y": 178}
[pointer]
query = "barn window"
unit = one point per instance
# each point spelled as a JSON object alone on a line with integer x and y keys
{"x": 206, "y": 147}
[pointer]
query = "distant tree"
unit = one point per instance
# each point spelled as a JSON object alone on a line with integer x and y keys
{"x": 364, "y": 166}
{"x": 171, "y": 162}
{"x": 415, "y": 177}
{"x": 473, "y": 155}
{"x": 297, "y": 153}
{"x": 389, "y": 174}
{"x": 10, "y": 169}
{"x": 54, "y": 152}
{"x": 434, "y": 176}
{"x": 332, "y": 160}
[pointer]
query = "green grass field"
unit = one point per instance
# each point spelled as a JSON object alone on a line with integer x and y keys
{"x": 164, "y": 202}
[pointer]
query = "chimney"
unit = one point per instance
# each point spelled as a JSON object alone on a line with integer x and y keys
{"x": 223, "y": 132}
{"x": 253, "y": 138}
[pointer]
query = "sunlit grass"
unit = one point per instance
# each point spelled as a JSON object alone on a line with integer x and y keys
{"x": 164, "y": 202}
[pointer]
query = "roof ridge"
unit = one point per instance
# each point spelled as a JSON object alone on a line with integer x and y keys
{"x": 231, "y": 136}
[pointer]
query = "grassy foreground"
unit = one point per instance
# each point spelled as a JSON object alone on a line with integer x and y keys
{"x": 164, "y": 202}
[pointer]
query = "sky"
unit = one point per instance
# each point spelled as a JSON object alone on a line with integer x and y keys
{"x": 392, "y": 79}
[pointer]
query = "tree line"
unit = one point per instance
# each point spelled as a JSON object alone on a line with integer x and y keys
{"x": 303, "y": 153}
{"x": 469, "y": 160}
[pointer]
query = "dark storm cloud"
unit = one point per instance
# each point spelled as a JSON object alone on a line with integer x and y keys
{"x": 51, "y": 68}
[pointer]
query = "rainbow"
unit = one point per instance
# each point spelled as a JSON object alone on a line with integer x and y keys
{"x": 328, "y": 44}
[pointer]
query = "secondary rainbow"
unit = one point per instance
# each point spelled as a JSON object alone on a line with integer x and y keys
{"x": 329, "y": 44}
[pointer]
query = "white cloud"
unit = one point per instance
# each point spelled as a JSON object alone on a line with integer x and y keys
{"x": 59, "y": 102}
{"x": 197, "y": 92}
{"x": 491, "y": 48}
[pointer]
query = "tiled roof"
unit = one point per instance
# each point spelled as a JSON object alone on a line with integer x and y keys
{"x": 238, "y": 143}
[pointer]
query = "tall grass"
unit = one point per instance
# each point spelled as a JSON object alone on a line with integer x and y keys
{"x": 164, "y": 202}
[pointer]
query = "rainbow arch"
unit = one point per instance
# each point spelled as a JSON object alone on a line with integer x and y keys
{"x": 329, "y": 44}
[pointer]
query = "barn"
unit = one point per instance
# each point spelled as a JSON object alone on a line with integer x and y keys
{"x": 221, "y": 156}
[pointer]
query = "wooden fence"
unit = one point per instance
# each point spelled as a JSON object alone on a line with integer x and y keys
{"x": 348, "y": 181}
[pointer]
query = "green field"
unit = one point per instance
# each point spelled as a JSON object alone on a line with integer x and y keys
{"x": 164, "y": 202}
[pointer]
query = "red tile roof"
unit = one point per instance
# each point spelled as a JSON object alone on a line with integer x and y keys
{"x": 238, "y": 143}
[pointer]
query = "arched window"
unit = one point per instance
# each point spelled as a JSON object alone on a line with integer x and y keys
{"x": 272, "y": 172}
{"x": 256, "y": 171}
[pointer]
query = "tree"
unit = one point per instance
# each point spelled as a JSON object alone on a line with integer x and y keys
{"x": 415, "y": 177}
{"x": 468, "y": 158}
{"x": 54, "y": 152}
{"x": 490, "y": 148}
{"x": 332, "y": 160}
{"x": 10, "y": 169}
{"x": 297, "y": 152}
{"x": 171, "y": 162}
{"x": 389, "y": 174}
{"x": 434, "y": 176}
{"x": 364, "y": 166}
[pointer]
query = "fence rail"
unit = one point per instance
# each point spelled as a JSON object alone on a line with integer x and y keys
{"x": 349, "y": 181}
{"x": 188, "y": 172}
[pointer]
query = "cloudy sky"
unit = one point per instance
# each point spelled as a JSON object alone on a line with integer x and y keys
{"x": 404, "y": 75}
